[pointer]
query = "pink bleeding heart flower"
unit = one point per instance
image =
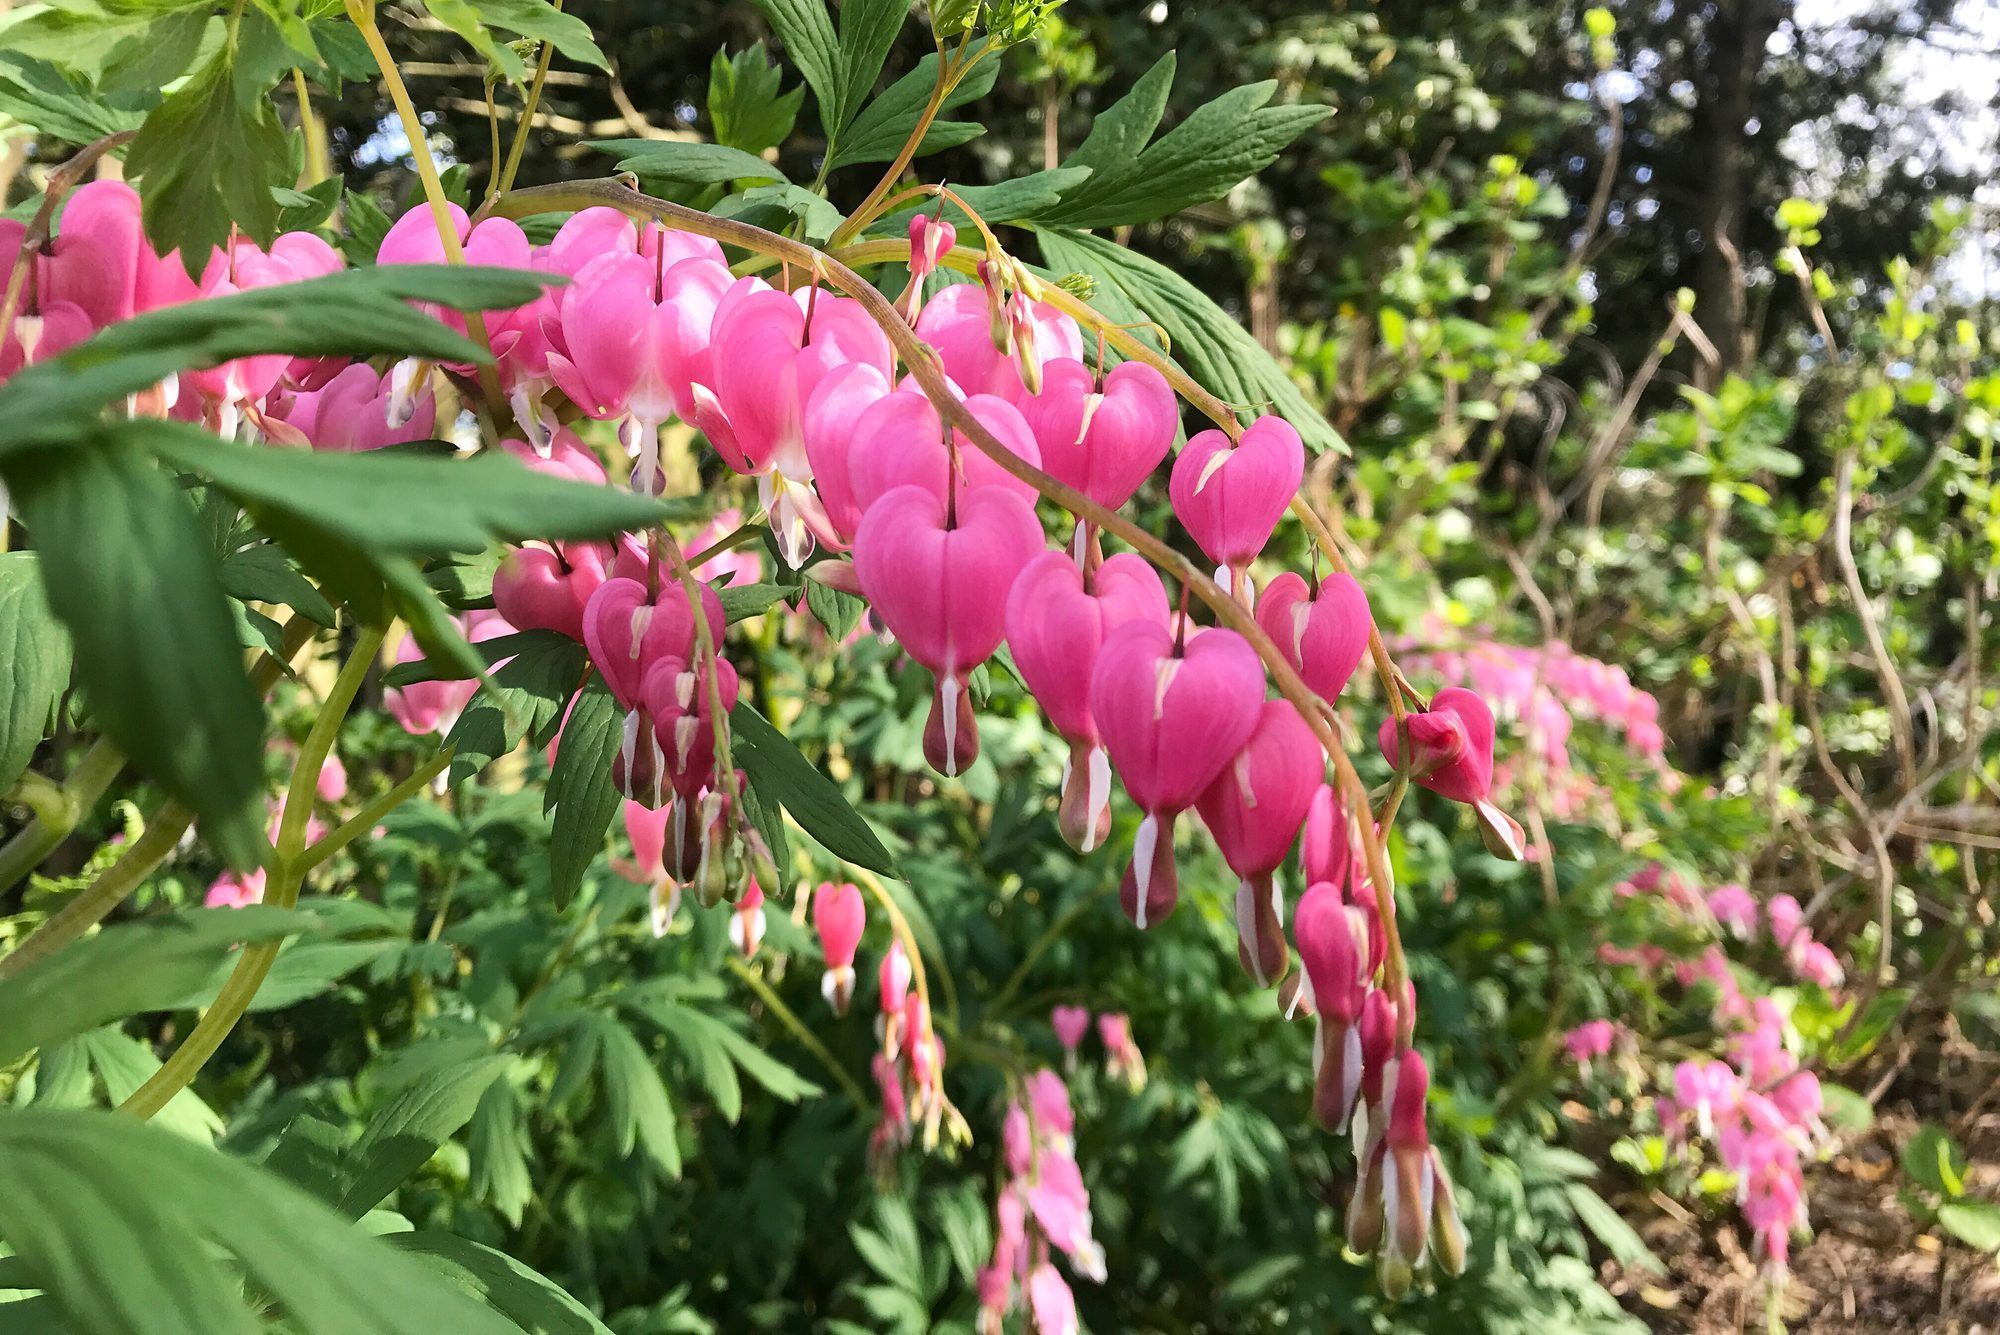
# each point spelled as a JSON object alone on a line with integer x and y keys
{"x": 770, "y": 352}
{"x": 1050, "y": 1302}
{"x": 243, "y": 267}
{"x": 1332, "y": 937}
{"x": 900, "y": 442}
{"x": 1230, "y": 494}
{"x": 41, "y": 328}
{"x": 1378, "y": 1061}
{"x": 1322, "y": 634}
{"x": 1405, "y": 1195}
{"x": 350, "y": 413}
{"x": 934, "y": 570}
{"x": 494, "y": 242}
{"x": 565, "y": 457}
{"x": 632, "y": 341}
{"x": 1122, "y": 1058}
{"x": 236, "y": 889}
{"x": 832, "y": 420}
{"x": 434, "y": 706}
{"x": 1254, "y": 808}
{"x": 1071, "y": 1023}
{"x": 931, "y": 239}
{"x": 959, "y": 324}
{"x": 678, "y": 705}
{"x": 627, "y": 631}
{"x": 1451, "y": 753}
{"x": 646, "y": 827}
{"x": 1104, "y": 441}
{"x": 102, "y": 264}
{"x": 746, "y": 921}
{"x": 1787, "y": 920}
{"x": 548, "y": 588}
{"x": 1735, "y": 909}
{"x": 1326, "y": 850}
{"x": 1057, "y": 619}
{"x": 839, "y": 916}
{"x": 1171, "y": 715}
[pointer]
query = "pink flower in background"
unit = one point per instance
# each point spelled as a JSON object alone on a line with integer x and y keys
{"x": 235, "y": 890}
{"x": 1071, "y": 1023}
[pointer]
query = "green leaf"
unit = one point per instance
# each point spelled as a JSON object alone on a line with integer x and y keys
{"x": 745, "y": 104}
{"x": 814, "y": 800}
{"x": 1609, "y": 1227}
{"x": 262, "y": 574}
{"x": 883, "y": 126}
{"x": 1212, "y": 347}
{"x": 868, "y": 29}
{"x": 152, "y": 964}
{"x": 36, "y": 94}
{"x": 84, "y": 1209}
{"x": 1219, "y": 145}
{"x": 580, "y": 791}
{"x": 641, "y": 1113}
{"x": 1974, "y": 1223}
{"x": 525, "y": 697}
{"x": 807, "y": 32}
{"x": 740, "y": 602}
{"x": 499, "y": 1147}
{"x": 535, "y": 19}
{"x": 124, "y": 1064}
{"x": 207, "y": 161}
{"x": 128, "y": 571}
{"x": 359, "y": 312}
{"x": 34, "y": 663}
{"x": 531, "y": 1301}
{"x": 310, "y": 209}
{"x": 1119, "y": 133}
{"x": 1023, "y": 199}
{"x": 402, "y": 1137}
{"x": 383, "y": 501}
{"x": 688, "y": 164}
{"x": 1846, "y": 1109}
{"x": 839, "y": 612}
{"x": 1934, "y": 1160}
{"x": 770, "y": 206}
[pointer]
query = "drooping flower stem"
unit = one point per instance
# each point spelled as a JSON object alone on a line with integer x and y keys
{"x": 930, "y": 377}
{"x": 287, "y": 874}
{"x": 788, "y": 1018}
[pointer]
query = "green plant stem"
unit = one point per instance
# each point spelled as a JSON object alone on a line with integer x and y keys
{"x": 286, "y": 876}
{"x": 929, "y": 374}
{"x": 505, "y": 181}
{"x": 741, "y": 536}
{"x": 787, "y": 1017}
{"x": 369, "y": 816}
{"x": 107, "y": 892}
{"x": 57, "y": 817}
{"x": 951, "y": 69}
{"x": 363, "y": 14}
{"x": 1045, "y": 942}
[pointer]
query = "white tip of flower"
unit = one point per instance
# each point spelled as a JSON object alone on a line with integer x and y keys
{"x": 1143, "y": 844}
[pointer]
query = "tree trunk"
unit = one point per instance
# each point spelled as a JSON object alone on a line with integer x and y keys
{"x": 1735, "y": 38}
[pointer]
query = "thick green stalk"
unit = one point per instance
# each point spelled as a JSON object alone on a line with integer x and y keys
{"x": 107, "y": 892}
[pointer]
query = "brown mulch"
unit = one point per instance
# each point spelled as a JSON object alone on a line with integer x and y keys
{"x": 1867, "y": 1268}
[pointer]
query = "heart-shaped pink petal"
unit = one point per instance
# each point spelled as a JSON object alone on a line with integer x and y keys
{"x": 1231, "y": 495}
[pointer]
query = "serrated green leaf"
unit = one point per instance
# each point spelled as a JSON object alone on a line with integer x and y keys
{"x": 641, "y": 1113}
{"x": 806, "y": 29}
{"x": 868, "y": 29}
{"x": 83, "y": 1209}
{"x": 815, "y": 802}
{"x": 262, "y": 574}
{"x": 885, "y": 124}
{"x": 127, "y": 570}
{"x": 839, "y": 612}
{"x": 685, "y": 163}
{"x": 745, "y": 104}
{"x": 207, "y": 161}
{"x": 34, "y": 663}
{"x": 36, "y": 94}
{"x": 580, "y": 791}
{"x": 499, "y": 1146}
{"x": 1119, "y": 133}
{"x": 403, "y": 1136}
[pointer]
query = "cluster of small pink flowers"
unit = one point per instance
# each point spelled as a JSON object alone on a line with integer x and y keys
{"x": 908, "y": 1068}
{"x": 1546, "y": 689}
{"x": 1122, "y": 1058}
{"x": 1756, "y": 1107}
{"x": 1594, "y": 1040}
{"x": 1042, "y": 1209}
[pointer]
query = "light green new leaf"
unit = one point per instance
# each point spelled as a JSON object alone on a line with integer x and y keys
{"x": 814, "y": 800}
{"x": 127, "y": 570}
{"x": 641, "y": 1113}
{"x": 1213, "y": 348}
{"x": 536, "y": 19}
{"x": 113, "y": 1216}
{"x": 1974, "y": 1223}
{"x": 206, "y": 160}
{"x": 151, "y": 964}
{"x": 580, "y": 791}
{"x": 744, "y": 101}
{"x": 689, "y": 164}
{"x": 34, "y": 663}
{"x": 530, "y": 1300}
{"x": 1935, "y": 1160}
{"x": 36, "y": 94}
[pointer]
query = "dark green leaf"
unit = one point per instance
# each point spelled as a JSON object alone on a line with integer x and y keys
{"x": 641, "y": 1113}
{"x": 151, "y": 964}
{"x": 1118, "y": 134}
{"x": 499, "y": 1146}
{"x": 1214, "y": 349}
{"x": 472, "y": 19}
{"x": 1934, "y": 1160}
{"x": 83, "y": 1208}
{"x": 531, "y": 1301}
{"x": 207, "y": 161}
{"x": 868, "y": 29}
{"x": 310, "y": 209}
{"x": 745, "y": 104}
{"x": 839, "y": 612}
{"x": 34, "y": 663}
{"x": 402, "y": 1137}
{"x": 524, "y": 698}
{"x": 1023, "y": 199}
{"x": 814, "y": 800}
{"x": 580, "y": 790}
{"x": 689, "y": 164}
{"x": 262, "y": 574}
{"x": 127, "y": 570}
{"x": 740, "y": 602}
{"x": 807, "y": 32}
{"x": 35, "y": 93}
{"x": 885, "y": 124}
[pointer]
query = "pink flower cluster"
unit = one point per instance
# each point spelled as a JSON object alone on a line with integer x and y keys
{"x": 1122, "y": 1058}
{"x": 1545, "y": 690}
{"x": 1042, "y": 1209}
{"x": 908, "y": 1066}
{"x": 1593, "y": 1040}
